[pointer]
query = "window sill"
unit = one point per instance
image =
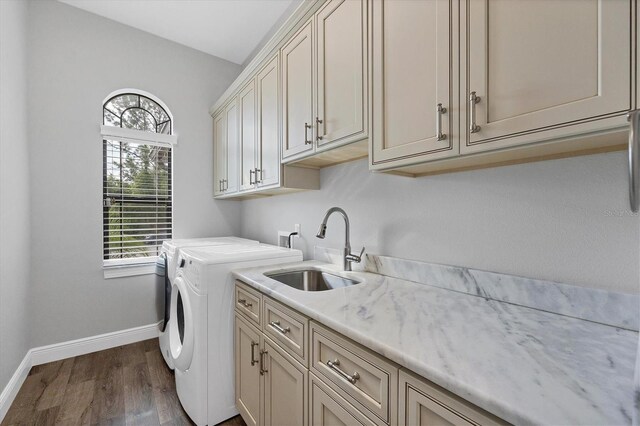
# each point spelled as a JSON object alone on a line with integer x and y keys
{"x": 122, "y": 271}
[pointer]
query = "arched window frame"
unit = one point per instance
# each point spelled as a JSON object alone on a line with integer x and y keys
{"x": 137, "y": 265}
{"x": 139, "y": 135}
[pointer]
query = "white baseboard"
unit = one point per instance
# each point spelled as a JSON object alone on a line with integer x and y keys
{"x": 58, "y": 351}
{"x": 11, "y": 390}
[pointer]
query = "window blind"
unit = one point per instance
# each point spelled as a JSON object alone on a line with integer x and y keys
{"x": 137, "y": 199}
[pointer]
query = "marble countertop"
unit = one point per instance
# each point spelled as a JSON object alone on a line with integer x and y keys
{"x": 524, "y": 365}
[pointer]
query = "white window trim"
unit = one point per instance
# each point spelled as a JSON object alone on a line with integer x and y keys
{"x": 138, "y": 136}
{"x": 120, "y": 268}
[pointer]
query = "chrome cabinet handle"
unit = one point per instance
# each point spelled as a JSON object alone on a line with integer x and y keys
{"x": 334, "y": 365}
{"x": 473, "y": 100}
{"x": 276, "y": 325}
{"x": 253, "y": 361}
{"x": 219, "y": 185}
{"x": 318, "y": 123}
{"x": 251, "y": 172}
{"x": 307, "y": 126}
{"x": 439, "y": 111}
{"x": 262, "y": 363}
{"x": 256, "y": 170}
{"x": 244, "y": 302}
{"x": 634, "y": 160}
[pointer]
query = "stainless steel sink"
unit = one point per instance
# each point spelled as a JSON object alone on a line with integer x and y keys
{"x": 312, "y": 280}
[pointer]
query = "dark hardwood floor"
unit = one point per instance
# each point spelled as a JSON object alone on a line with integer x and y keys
{"x": 127, "y": 385}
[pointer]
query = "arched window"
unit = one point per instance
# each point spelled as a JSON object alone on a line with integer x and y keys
{"x": 136, "y": 111}
{"x": 137, "y": 134}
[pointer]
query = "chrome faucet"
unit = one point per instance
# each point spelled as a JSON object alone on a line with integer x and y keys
{"x": 347, "y": 257}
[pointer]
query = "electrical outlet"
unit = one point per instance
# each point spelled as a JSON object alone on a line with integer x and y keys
{"x": 283, "y": 238}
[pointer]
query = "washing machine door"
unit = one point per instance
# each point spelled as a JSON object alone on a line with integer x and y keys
{"x": 181, "y": 333}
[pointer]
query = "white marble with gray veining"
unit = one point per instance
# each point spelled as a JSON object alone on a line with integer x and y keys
{"x": 611, "y": 308}
{"x": 524, "y": 365}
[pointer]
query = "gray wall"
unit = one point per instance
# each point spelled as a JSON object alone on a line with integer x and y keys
{"x": 76, "y": 60}
{"x": 274, "y": 28}
{"x": 14, "y": 189}
{"x": 566, "y": 220}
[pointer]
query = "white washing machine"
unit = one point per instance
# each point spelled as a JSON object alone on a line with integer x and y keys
{"x": 201, "y": 333}
{"x": 165, "y": 273}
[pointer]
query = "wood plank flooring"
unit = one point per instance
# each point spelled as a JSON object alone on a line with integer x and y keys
{"x": 127, "y": 385}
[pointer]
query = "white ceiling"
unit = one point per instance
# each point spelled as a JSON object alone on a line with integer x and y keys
{"x": 229, "y": 29}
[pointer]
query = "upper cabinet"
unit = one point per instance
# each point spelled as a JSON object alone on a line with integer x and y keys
{"x": 297, "y": 93}
{"x": 219, "y": 153}
{"x": 247, "y": 142}
{"x": 324, "y": 86}
{"x": 260, "y": 130}
{"x": 412, "y": 75}
{"x": 537, "y": 66}
{"x": 225, "y": 149}
{"x": 425, "y": 87}
{"x": 268, "y": 125}
{"x": 506, "y": 82}
{"x": 248, "y": 139}
{"x": 231, "y": 124}
{"x": 341, "y": 97}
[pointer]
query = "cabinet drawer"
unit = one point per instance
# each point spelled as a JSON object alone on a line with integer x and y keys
{"x": 248, "y": 302}
{"x": 288, "y": 328}
{"x": 363, "y": 378}
{"x": 327, "y": 408}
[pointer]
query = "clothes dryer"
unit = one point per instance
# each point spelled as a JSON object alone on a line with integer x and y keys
{"x": 165, "y": 273}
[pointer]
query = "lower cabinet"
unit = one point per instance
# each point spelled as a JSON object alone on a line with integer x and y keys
{"x": 339, "y": 383}
{"x": 327, "y": 408}
{"x": 423, "y": 404}
{"x": 368, "y": 381}
{"x": 271, "y": 387}
{"x": 285, "y": 385}
{"x": 248, "y": 377}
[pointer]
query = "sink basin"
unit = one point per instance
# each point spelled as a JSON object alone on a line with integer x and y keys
{"x": 312, "y": 280}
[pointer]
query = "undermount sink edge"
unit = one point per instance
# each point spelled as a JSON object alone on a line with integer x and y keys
{"x": 311, "y": 279}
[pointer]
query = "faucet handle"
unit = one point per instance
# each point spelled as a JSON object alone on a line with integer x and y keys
{"x": 354, "y": 257}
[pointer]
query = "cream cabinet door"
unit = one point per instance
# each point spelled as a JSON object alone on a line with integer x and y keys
{"x": 219, "y": 152}
{"x": 341, "y": 107}
{"x": 330, "y": 409}
{"x": 423, "y": 404}
{"x": 268, "y": 124}
{"x": 423, "y": 411}
{"x": 247, "y": 374}
{"x": 285, "y": 389}
{"x": 232, "y": 149}
{"x": 247, "y": 118}
{"x": 535, "y": 66}
{"x": 411, "y": 81}
{"x": 297, "y": 93}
